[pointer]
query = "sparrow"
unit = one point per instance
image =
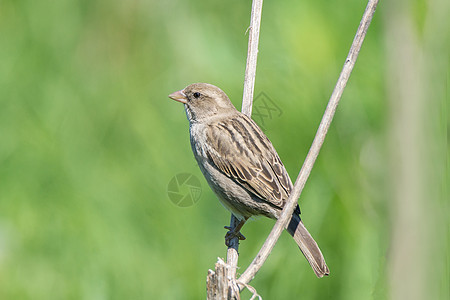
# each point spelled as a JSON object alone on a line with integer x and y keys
{"x": 241, "y": 165}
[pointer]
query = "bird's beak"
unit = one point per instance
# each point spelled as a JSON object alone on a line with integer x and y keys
{"x": 179, "y": 96}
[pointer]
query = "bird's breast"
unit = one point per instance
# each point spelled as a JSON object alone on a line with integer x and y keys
{"x": 198, "y": 140}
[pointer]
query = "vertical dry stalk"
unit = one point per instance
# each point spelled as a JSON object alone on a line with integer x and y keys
{"x": 247, "y": 102}
{"x": 252, "y": 55}
{"x": 414, "y": 262}
{"x": 225, "y": 275}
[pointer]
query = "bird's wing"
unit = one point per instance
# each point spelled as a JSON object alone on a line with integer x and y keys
{"x": 240, "y": 150}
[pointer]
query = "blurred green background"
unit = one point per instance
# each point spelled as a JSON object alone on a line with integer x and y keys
{"x": 89, "y": 142}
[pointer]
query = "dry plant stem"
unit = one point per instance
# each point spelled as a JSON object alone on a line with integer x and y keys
{"x": 247, "y": 101}
{"x": 281, "y": 223}
{"x": 252, "y": 55}
{"x": 218, "y": 283}
{"x": 232, "y": 252}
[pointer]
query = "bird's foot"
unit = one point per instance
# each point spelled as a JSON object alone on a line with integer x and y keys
{"x": 231, "y": 234}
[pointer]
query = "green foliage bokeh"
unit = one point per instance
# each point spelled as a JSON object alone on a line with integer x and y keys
{"x": 89, "y": 142}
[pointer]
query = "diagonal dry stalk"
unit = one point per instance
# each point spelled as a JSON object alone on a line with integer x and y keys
{"x": 305, "y": 171}
{"x": 250, "y": 72}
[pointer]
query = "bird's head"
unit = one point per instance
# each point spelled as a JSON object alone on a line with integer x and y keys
{"x": 203, "y": 100}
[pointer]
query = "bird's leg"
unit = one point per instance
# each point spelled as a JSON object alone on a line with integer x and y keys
{"x": 234, "y": 232}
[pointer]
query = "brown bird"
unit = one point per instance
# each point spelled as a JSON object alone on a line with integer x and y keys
{"x": 241, "y": 165}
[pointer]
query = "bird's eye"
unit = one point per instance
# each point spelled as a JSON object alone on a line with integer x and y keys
{"x": 196, "y": 94}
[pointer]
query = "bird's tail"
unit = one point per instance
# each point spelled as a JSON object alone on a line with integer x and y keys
{"x": 308, "y": 246}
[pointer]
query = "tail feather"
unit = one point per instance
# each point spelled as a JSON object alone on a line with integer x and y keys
{"x": 308, "y": 246}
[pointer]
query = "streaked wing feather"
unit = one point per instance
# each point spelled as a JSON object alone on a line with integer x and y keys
{"x": 240, "y": 150}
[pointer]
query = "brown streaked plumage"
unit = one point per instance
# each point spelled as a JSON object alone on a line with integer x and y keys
{"x": 241, "y": 165}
